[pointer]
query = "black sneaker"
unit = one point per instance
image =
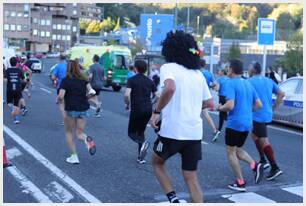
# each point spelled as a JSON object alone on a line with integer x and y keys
{"x": 24, "y": 111}
{"x": 258, "y": 172}
{"x": 265, "y": 164}
{"x": 141, "y": 161}
{"x": 274, "y": 173}
{"x": 216, "y": 136}
{"x": 143, "y": 150}
{"x": 237, "y": 187}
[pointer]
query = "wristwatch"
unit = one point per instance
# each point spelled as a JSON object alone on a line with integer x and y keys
{"x": 156, "y": 112}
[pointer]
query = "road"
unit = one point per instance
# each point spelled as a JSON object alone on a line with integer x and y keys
{"x": 37, "y": 150}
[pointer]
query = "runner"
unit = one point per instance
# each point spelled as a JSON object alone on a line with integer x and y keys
{"x": 131, "y": 72}
{"x": 241, "y": 98}
{"x": 22, "y": 102}
{"x": 96, "y": 76}
{"x": 221, "y": 91}
{"x": 265, "y": 87}
{"x": 58, "y": 74}
{"x": 138, "y": 94}
{"x": 184, "y": 95}
{"x": 25, "y": 85}
{"x": 211, "y": 84}
{"x": 14, "y": 89}
{"x": 72, "y": 93}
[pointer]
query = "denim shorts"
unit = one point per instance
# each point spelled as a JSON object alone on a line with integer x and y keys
{"x": 77, "y": 114}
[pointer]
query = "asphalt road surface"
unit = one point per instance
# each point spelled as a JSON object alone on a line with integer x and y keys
{"x": 37, "y": 150}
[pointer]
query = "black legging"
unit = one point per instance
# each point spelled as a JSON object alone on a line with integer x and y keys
{"x": 222, "y": 115}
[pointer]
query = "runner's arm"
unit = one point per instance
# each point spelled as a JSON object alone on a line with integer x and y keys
{"x": 166, "y": 94}
{"x": 127, "y": 96}
{"x": 257, "y": 104}
{"x": 279, "y": 98}
{"x": 60, "y": 96}
{"x": 228, "y": 106}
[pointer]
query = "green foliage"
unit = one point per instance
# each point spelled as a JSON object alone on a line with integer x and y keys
{"x": 292, "y": 61}
{"x": 234, "y": 52}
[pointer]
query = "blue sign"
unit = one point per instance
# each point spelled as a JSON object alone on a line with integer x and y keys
{"x": 266, "y": 31}
{"x": 154, "y": 28}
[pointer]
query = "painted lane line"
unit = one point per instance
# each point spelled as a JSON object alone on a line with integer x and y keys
{"x": 54, "y": 189}
{"x": 248, "y": 197}
{"x": 13, "y": 152}
{"x": 84, "y": 194}
{"x": 28, "y": 186}
{"x": 46, "y": 90}
{"x": 203, "y": 142}
{"x": 285, "y": 130}
{"x": 298, "y": 190}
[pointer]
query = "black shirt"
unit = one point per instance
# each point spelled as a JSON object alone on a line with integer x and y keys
{"x": 14, "y": 77}
{"x": 75, "y": 95}
{"x": 142, "y": 87}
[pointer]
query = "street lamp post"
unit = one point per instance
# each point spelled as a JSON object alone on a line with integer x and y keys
{"x": 175, "y": 17}
{"x": 198, "y": 24}
{"x": 188, "y": 18}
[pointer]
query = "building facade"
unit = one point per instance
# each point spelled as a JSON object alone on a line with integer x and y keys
{"x": 43, "y": 27}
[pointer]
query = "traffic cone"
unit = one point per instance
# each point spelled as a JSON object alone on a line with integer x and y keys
{"x": 5, "y": 160}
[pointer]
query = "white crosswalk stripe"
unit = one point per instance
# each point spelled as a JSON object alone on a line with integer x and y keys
{"x": 298, "y": 190}
{"x": 247, "y": 197}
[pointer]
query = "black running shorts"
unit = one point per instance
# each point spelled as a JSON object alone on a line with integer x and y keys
{"x": 137, "y": 125}
{"x": 260, "y": 129}
{"x": 13, "y": 98}
{"x": 235, "y": 138}
{"x": 222, "y": 100}
{"x": 97, "y": 91}
{"x": 190, "y": 150}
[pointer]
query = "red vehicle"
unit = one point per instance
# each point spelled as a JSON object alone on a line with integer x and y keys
{"x": 40, "y": 55}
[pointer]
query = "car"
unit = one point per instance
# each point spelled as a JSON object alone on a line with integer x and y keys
{"x": 34, "y": 64}
{"x": 290, "y": 112}
{"x": 39, "y": 55}
{"x": 53, "y": 55}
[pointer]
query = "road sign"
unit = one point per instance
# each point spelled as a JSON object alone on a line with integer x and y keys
{"x": 266, "y": 31}
{"x": 154, "y": 28}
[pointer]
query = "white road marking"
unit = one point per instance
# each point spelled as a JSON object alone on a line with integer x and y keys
{"x": 28, "y": 186}
{"x": 84, "y": 194}
{"x": 13, "y": 152}
{"x": 46, "y": 90}
{"x": 247, "y": 197}
{"x": 298, "y": 190}
{"x": 271, "y": 127}
{"x": 54, "y": 189}
{"x": 203, "y": 142}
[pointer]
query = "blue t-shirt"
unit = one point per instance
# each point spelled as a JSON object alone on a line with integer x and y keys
{"x": 222, "y": 85}
{"x": 130, "y": 74}
{"x": 244, "y": 95}
{"x": 60, "y": 72}
{"x": 208, "y": 77}
{"x": 264, "y": 88}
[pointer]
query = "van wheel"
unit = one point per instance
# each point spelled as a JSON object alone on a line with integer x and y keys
{"x": 116, "y": 88}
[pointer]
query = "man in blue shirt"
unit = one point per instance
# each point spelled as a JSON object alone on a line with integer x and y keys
{"x": 58, "y": 74}
{"x": 265, "y": 87}
{"x": 221, "y": 91}
{"x": 211, "y": 83}
{"x": 241, "y": 99}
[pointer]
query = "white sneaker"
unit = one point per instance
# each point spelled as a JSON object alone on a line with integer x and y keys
{"x": 73, "y": 159}
{"x": 91, "y": 93}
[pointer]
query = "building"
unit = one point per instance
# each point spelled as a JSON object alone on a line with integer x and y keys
{"x": 43, "y": 27}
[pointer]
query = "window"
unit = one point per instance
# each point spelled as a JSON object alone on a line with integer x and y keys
{"x": 35, "y": 32}
{"x": 13, "y": 13}
{"x": 59, "y": 26}
{"x": 13, "y": 27}
{"x": 43, "y": 22}
{"x": 99, "y": 10}
{"x": 59, "y": 37}
{"x": 26, "y": 7}
{"x": 68, "y": 38}
{"x": 18, "y": 27}
{"x": 26, "y": 15}
{"x": 54, "y": 26}
{"x": 289, "y": 87}
{"x": 7, "y": 13}
{"x": 300, "y": 90}
{"x": 48, "y": 22}
{"x": 25, "y": 27}
{"x": 47, "y": 34}
{"x": 42, "y": 34}
{"x": 54, "y": 37}
{"x": 75, "y": 12}
{"x": 74, "y": 4}
{"x": 63, "y": 37}
{"x": 19, "y": 14}
{"x": 74, "y": 29}
{"x": 68, "y": 27}
{"x": 6, "y": 27}
{"x": 118, "y": 61}
{"x": 35, "y": 20}
{"x": 64, "y": 27}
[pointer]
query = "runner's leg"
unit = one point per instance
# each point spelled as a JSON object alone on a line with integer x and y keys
{"x": 209, "y": 120}
{"x": 193, "y": 185}
{"x": 69, "y": 125}
{"x": 233, "y": 160}
{"x": 80, "y": 126}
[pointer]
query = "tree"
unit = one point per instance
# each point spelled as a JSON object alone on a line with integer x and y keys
{"x": 117, "y": 27}
{"x": 234, "y": 52}
{"x": 93, "y": 27}
{"x": 292, "y": 61}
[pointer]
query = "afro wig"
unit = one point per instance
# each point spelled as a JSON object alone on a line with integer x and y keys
{"x": 177, "y": 48}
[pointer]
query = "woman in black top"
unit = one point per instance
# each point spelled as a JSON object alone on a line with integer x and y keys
{"x": 73, "y": 90}
{"x": 138, "y": 93}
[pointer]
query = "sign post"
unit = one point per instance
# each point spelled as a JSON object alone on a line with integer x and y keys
{"x": 265, "y": 36}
